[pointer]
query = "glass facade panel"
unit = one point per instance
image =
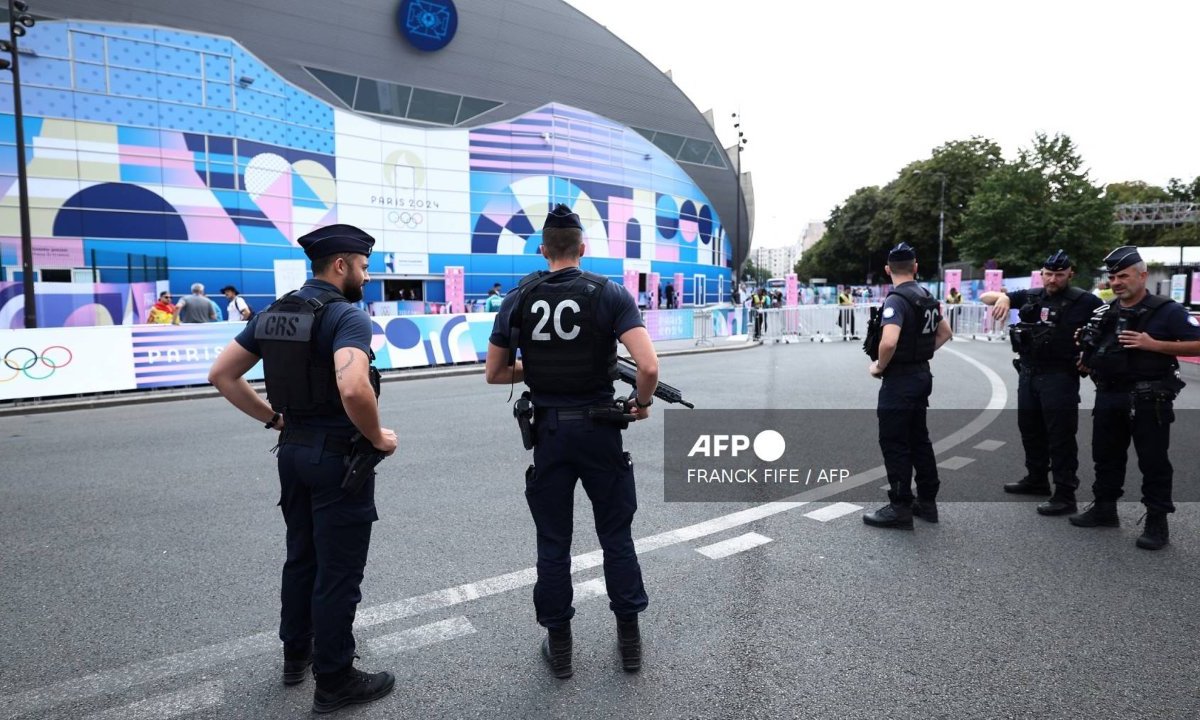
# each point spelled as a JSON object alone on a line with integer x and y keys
{"x": 432, "y": 106}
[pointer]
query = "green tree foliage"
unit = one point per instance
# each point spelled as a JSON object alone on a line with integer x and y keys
{"x": 1041, "y": 202}
{"x": 843, "y": 253}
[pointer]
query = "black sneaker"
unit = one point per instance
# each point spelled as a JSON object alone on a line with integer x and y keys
{"x": 1156, "y": 536}
{"x": 556, "y": 649}
{"x": 1098, "y": 514}
{"x": 295, "y": 666}
{"x": 351, "y": 687}
{"x": 890, "y": 516}
{"x": 1062, "y": 503}
{"x": 1028, "y": 486}
{"x": 927, "y": 510}
{"x": 629, "y": 640}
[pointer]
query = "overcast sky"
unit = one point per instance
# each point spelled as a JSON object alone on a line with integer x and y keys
{"x": 840, "y": 94}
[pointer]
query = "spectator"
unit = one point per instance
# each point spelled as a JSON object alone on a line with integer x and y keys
{"x": 238, "y": 308}
{"x": 162, "y": 311}
{"x": 496, "y": 289}
{"x": 759, "y": 302}
{"x": 492, "y": 304}
{"x": 196, "y": 308}
{"x": 953, "y": 298}
{"x": 670, "y": 295}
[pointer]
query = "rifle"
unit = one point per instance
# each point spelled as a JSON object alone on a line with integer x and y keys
{"x": 625, "y": 370}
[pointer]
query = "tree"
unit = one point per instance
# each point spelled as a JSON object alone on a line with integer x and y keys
{"x": 843, "y": 254}
{"x": 1036, "y": 205}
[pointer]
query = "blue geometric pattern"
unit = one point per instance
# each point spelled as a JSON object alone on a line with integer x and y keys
{"x": 428, "y": 24}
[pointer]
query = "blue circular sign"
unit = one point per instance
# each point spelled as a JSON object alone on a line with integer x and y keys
{"x": 428, "y": 24}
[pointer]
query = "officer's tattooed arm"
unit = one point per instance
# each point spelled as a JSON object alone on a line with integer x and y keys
{"x": 352, "y": 371}
{"x": 226, "y": 376}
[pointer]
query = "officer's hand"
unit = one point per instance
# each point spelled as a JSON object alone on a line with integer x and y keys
{"x": 873, "y": 368}
{"x": 1083, "y": 368}
{"x": 388, "y": 443}
{"x": 641, "y": 413}
{"x": 280, "y": 422}
{"x": 1135, "y": 340}
{"x": 1001, "y": 309}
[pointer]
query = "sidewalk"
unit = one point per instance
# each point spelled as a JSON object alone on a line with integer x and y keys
{"x": 666, "y": 348}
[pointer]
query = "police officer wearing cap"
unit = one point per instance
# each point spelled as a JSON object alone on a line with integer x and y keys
{"x": 1130, "y": 347}
{"x": 566, "y": 323}
{"x": 1048, "y": 385}
{"x": 912, "y": 330}
{"x": 316, "y": 352}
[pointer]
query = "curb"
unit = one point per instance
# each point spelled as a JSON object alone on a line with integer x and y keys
{"x": 195, "y": 393}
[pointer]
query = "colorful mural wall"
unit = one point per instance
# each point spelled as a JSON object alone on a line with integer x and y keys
{"x": 166, "y": 143}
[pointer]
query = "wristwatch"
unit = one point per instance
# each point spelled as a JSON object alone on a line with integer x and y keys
{"x": 639, "y": 402}
{"x": 274, "y": 419}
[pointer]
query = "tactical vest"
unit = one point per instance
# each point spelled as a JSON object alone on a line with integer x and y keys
{"x": 563, "y": 349}
{"x": 1114, "y": 363}
{"x": 1046, "y": 341}
{"x": 299, "y": 376}
{"x": 918, "y": 335}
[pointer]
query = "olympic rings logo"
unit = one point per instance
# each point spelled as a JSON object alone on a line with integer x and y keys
{"x": 22, "y": 360}
{"x": 407, "y": 219}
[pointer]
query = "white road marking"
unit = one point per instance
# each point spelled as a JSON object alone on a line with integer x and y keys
{"x": 725, "y": 548}
{"x": 836, "y": 510}
{"x": 411, "y": 638}
{"x": 179, "y": 703}
{"x": 956, "y": 462}
{"x": 589, "y": 589}
{"x": 122, "y": 678}
{"x": 990, "y": 445}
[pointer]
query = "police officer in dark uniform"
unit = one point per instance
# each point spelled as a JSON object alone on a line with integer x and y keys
{"x": 912, "y": 329}
{"x": 1130, "y": 347}
{"x": 567, "y": 323}
{"x": 316, "y": 352}
{"x": 1048, "y": 387}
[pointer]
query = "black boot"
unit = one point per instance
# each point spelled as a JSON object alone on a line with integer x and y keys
{"x": 1062, "y": 503}
{"x": 350, "y": 687}
{"x": 1156, "y": 536}
{"x": 629, "y": 640}
{"x": 1028, "y": 485}
{"x": 925, "y": 509}
{"x": 1098, "y": 514}
{"x": 556, "y": 648}
{"x": 891, "y": 516}
{"x": 295, "y": 664}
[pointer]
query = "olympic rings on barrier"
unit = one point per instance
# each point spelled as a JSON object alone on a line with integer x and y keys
{"x": 22, "y": 359}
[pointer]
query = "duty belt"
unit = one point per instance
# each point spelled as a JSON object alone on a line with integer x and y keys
{"x": 336, "y": 444}
{"x": 1046, "y": 369}
{"x": 906, "y": 368}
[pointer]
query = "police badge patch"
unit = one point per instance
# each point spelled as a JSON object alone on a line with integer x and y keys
{"x": 889, "y": 312}
{"x": 1045, "y": 314}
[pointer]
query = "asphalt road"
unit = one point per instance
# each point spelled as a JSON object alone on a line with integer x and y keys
{"x": 141, "y": 551}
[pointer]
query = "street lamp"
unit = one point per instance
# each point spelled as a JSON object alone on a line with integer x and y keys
{"x": 941, "y": 227}
{"x": 18, "y": 20}
{"x": 741, "y": 143}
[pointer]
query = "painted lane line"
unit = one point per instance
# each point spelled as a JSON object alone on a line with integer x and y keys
{"x": 118, "y": 679}
{"x": 836, "y": 510}
{"x": 990, "y": 445}
{"x": 179, "y": 703}
{"x": 417, "y": 637}
{"x": 732, "y": 546}
{"x": 589, "y": 589}
{"x": 956, "y": 463}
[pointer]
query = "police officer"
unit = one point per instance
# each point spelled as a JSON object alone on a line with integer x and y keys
{"x": 912, "y": 329}
{"x": 567, "y": 323}
{"x": 1130, "y": 347}
{"x": 316, "y": 352}
{"x": 1048, "y": 385}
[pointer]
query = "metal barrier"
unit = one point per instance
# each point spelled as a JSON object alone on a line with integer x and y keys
{"x": 702, "y": 326}
{"x": 975, "y": 321}
{"x": 815, "y": 323}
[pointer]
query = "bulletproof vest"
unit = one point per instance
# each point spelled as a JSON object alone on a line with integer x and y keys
{"x": 918, "y": 334}
{"x": 1042, "y": 338}
{"x": 299, "y": 375}
{"x": 563, "y": 348}
{"x": 1112, "y": 362}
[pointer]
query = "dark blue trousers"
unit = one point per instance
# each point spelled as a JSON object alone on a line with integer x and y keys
{"x": 904, "y": 433}
{"x": 1048, "y": 417}
{"x": 1116, "y": 420}
{"x": 328, "y": 535}
{"x": 567, "y": 451}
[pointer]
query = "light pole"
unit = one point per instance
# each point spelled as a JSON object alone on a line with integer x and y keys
{"x": 941, "y": 235}
{"x": 18, "y": 20}
{"x": 737, "y": 217}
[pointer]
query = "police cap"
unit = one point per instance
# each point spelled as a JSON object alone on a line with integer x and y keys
{"x": 1058, "y": 261}
{"x": 1122, "y": 258}
{"x": 902, "y": 253}
{"x": 562, "y": 217}
{"x": 333, "y": 239}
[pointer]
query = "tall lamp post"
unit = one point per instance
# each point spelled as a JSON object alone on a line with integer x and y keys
{"x": 737, "y": 218}
{"x": 18, "y": 20}
{"x": 941, "y": 236}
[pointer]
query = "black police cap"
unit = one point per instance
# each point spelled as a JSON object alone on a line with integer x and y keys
{"x": 333, "y": 239}
{"x": 1122, "y": 258}
{"x": 902, "y": 253}
{"x": 562, "y": 217}
{"x": 1058, "y": 261}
